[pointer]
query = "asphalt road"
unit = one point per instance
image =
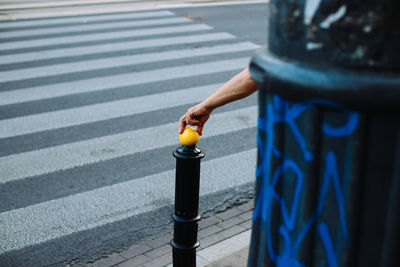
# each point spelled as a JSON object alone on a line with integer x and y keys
{"x": 88, "y": 121}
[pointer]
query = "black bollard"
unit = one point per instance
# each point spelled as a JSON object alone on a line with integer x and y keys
{"x": 186, "y": 214}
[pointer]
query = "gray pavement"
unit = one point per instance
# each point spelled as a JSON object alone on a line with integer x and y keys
{"x": 224, "y": 241}
{"x": 237, "y": 259}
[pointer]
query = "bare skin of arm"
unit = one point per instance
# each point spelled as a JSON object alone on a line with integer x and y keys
{"x": 236, "y": 88}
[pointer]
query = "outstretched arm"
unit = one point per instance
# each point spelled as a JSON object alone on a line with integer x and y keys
{"x": 236, "y": 88}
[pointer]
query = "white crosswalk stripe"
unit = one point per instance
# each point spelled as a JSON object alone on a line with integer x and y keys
{"x": 66, "y": 156}
{"x": 90, "y": 65}
{"x": 74, "y": 213}
{"x": 104, "y": 48}
{"x": 126, "y": 66}
{"x": 100, "y": 84}
{"x": 102, "y": 36}
{"x": 15, "y": 25}
{"x": 91, "y": 27}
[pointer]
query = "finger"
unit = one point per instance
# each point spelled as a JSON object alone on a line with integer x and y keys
{"x": 182, "y": 124}
{"x": 200, "y": 129}
{"x": 191, "y": 121}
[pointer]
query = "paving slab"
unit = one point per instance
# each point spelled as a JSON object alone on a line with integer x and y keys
{"x": 224, "y": 240}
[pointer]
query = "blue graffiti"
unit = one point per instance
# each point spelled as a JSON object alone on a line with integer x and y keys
{"x": 289, "y": 252}
{"x": 289, "y": 116}
{"x": 327, "y": 241}
{"x": 342, "y": 131}
{"x": 264, "y": 167}
{"x": 331, "y": 173}
{"x": 288, "y": 257}
{"x": 288, "y": 217}
{"x": 279, "y": 111}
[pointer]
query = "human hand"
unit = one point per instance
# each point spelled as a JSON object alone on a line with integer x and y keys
{"x": 196, "y": 115}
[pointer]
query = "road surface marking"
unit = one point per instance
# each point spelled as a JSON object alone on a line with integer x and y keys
{"x": 98, "y": 64}
{"x": 62, "y": 157}
{"x": 117, "y": 34}
{"x": 121, "y": 80}
{"x": 114, "y": 47}
{"x": 78, "y": 29}
{"x": 59, "y": 217}
{"x": 15, "y": 25}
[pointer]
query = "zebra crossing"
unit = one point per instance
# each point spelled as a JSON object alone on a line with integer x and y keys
{"x": 89, "y": 109}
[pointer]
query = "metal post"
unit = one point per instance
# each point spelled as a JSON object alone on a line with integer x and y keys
{"x": 186, "y": 214}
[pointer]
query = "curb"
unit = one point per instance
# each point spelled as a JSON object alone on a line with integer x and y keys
{"x": 223, "y": 237}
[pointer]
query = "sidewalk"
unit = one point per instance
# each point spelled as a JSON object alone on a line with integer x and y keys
{"x": 224, "y": 241}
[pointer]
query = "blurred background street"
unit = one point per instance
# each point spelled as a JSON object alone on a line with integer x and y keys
{"x": 90, "y": 97}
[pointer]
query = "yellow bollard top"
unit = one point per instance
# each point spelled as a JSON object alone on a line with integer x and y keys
{"x": 189, "y": 137}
